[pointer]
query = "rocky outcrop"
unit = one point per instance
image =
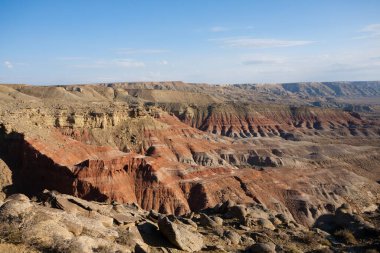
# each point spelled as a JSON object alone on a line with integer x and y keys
{"x": 63, "y": 223}
{"x": 254, "y": 120}
{"x": 185, "y": 237}
{"x": 345, "y": 219}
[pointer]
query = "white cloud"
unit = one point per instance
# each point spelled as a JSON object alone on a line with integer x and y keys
{"x": 216, "y": 29}
{"x": 71, "y": 58}
{"x": 373, "y": 29}
{"x": 8, "y": 64}
{"x": 262, "y": 60}
{"x": 370, "y": 31}
{"x": 141, "y": 51}
{"x": 163, "y": 62}
{"x": 248, "y": 42}
{"x": 125, "y": 63}
{"x": 128, "y": 63}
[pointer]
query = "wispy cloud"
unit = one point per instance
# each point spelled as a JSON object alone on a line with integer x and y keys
{"x": 248, "y": 42}
{"x": 217, "y": 29}
{"x": 163, "y": 62}
{"x": 128, "y": 63}
{"x": 125, "y": 63}
{"x": 370, "y": 31}
{"x": 259, "y": 62}
{"x": 221, "y": 28}
{"x": 141, "y": 51}
{"x": 8, "y": 64}
{"x": 373, "y": 29}
{"x": 71, "y": 58}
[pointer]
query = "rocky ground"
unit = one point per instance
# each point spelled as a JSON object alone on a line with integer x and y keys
{"x": 193, "y": 167}
{"x": 62, "y": 223}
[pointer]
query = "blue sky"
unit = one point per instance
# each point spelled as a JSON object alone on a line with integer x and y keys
{"x": 77, "y": 41}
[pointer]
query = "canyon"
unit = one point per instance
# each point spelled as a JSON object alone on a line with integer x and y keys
{"x": 300, "y": 150}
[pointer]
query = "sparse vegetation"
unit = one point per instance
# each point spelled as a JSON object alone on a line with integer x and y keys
{"x": 345, "y": 236}
{"x": 16, "y": 248}
{"x": 103, "y": 249}
{"x": 10, "y": 233}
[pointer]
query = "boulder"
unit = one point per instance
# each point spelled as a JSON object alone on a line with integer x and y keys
{"x": 218, "y": 220}
{"x": 238, "y": 212}
{"x": 206, "y": 221}
{"x": 46, "y": 233}
{"x": 267, "y": 247}
{"x": 86, "y": 244}
{"x": 264, "y": 223}
{"x": 185, "y": 237}
{"x": 232, "y": 236}
{"x": 188, "y": 222}
{"x": 18, "y": 197}
{"x": 224, "y": 207}
{"x": 257, "y": 213}
{"x": 13, "y": 209}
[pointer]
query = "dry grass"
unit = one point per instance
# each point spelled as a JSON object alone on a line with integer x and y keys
{"x": 345, "y": 236}
{"x": 371, "y": 251}
{"x": 10, "y": 233}
{"x": 292, "y": 248}
{"x": 103, "y": 249}
{"x": 13, "y": 248}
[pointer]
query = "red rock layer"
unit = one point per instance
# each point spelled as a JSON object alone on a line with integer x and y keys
{"x": 256, "y": 120}
{"x": 182, "y": 170}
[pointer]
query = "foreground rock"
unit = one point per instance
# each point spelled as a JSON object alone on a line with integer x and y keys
{"x": 63, "y": 223}
{"x": 183, "y": 236}
{"x": 262, "y": 248}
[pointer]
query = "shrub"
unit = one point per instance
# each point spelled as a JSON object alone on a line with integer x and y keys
{"x": 12, "y": 248}
{"x": 345, "y": 236}
{"x": 10, "y": 233}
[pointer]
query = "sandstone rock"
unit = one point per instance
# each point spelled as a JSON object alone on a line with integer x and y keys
{"x": 46, "y": 233}
{"x": 238, "y": 212}
{"x": 266, "y": 224}
{"x": 275, "y": 221}
{"x": 129, "y": 236}
{"x": 121, "y": 219}
{"x": 105, "y": 220}
{"x": 215, "y": 248}
{"x": 218, "y": 220}
{"x": 206, "y": 221}
{"x": 18, "y": 197}
{"x": 268, "y": 247}
{"x": 86, "y": 244}
{"x": 181, "y": 235}
{"x": 14, "y": 209}
{"x": 73, "y": 225}
{"x": 246, "y": 240}
{"x": 282, "y": 217}
{"x": 188, "y": 222}
{"x": 68, "y": 206}
{"x": 225, "y": 206}
{"x": 344, "y": 218}
{"x": 95, "y": 228}
{"x": 232, "y": 236}
{"x": 142, "y": 247}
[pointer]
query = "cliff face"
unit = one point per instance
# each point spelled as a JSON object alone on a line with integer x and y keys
{"x": 179, "y": 168}
{"x": 247, "y": 120}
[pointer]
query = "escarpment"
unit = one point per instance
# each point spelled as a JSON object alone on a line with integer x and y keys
{"x": 254, "y": 120}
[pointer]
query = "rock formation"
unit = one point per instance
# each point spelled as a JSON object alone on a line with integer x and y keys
{"x": 177, "y": 148}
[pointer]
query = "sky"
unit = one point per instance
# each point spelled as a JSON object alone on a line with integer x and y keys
{"x": 213, "y": 41}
